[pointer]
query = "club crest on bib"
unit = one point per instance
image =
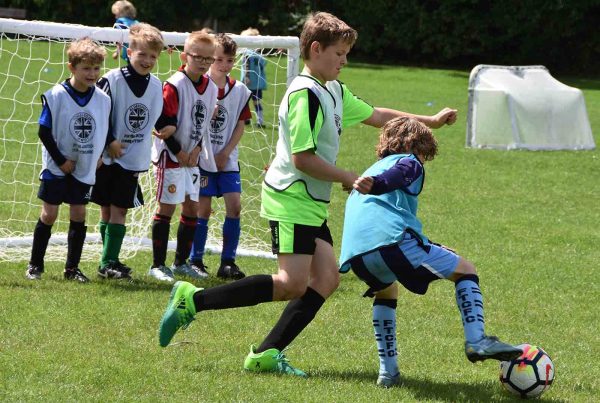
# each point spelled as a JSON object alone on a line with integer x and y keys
{"x": 218, "y": 124}
{"x": 199, "y": 114}
{"x": 82, "y": 127}
{"x": 136, "y": 118}
{"x": 338, "y": 124}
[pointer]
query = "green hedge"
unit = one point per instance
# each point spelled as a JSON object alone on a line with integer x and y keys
{"x": 560, "y": 34}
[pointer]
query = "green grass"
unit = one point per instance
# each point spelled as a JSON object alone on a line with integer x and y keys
{"x": 528, "y": 220}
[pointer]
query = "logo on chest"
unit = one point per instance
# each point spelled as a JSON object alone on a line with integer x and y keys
{"x": 219, "y": 123}
{"x": 338, "y": 124}
{"x": 82, "y": 127}
{"x": 199, "y": 114}
{"x": 136, "y": 118}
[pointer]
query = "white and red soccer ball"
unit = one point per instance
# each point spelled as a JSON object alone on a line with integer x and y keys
{"x": 529, "y": 375}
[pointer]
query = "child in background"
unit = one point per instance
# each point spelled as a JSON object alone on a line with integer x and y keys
{"x": 220, "y": 176}
{"x": 137, "y": 104}
{"x": 189, "y": 98}
{"x": 125, "y": 14}
{"x": 73, "y": 128}
{"x": 380, "y": 255}
{"x": 254, "y": 76}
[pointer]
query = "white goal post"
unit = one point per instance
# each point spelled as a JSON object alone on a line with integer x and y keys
{"x": 33, "y": 59}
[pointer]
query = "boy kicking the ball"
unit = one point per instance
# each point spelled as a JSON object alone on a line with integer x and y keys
{"x": 295, "y": 198}
{"x": 383, "y": 254}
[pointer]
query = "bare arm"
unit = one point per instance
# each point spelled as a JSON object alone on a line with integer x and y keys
{"x": 381, "y": 115}
{"x": 313, "y": 165}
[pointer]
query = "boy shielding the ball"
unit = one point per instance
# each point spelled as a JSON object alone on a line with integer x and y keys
{"x": 394, "y": 249}
{"x": 73, "y": 129}
{"x": 295, "y": 197}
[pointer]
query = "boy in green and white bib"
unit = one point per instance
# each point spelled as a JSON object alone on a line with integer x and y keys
{"x": 295, "y": 197}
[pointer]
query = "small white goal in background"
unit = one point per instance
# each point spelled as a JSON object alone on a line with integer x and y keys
{"x": 524, "y": 107}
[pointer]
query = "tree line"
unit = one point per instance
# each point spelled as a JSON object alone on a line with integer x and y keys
{"x": 563, "y": 35}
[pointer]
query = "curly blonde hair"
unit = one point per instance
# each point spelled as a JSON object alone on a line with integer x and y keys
{"x": 85, "y": 51}
{"x": 406, "y": 135}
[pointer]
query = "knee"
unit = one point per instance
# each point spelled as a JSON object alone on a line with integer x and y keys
{"x": 285, "y": 290}
{"x": 465, "y": 268}
{"x": 48, "y": 217}
{"x": 326, "y": 284}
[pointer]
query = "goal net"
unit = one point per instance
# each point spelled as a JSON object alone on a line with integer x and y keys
{"x": 33, "y": 59}
{"x": 524, "y": 107}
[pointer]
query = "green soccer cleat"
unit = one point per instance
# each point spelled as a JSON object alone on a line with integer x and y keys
{"x": 180, "y": 311}
{"x": 271, "y": 360}
{"x": 491, "y": 347}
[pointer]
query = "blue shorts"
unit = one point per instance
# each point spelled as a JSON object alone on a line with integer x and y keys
{"x": 410, "y": 262}
{"x": 56, "y": 190}
{"x": 218, "y": 183}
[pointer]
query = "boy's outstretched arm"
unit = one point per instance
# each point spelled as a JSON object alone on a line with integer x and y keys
{"x": 380, "y": 116}
{"x": 313, "y": 165}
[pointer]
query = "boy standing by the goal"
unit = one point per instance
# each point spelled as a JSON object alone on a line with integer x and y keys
{"x": 295, "y": 197}
{"x": 137, "y": 104}
{"x": 125, "y": 13}
{"x": 220, "y": 175}
{"x": 73, "y": 127}
{"x": 380, "y": 254}
{"x": 254, "y": 76}
{"x": 189, "y": 103}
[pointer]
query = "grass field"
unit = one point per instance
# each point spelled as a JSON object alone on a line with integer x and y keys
{"x": 528, "y": 220}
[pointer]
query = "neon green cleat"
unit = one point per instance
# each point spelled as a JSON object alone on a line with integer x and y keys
{"x": 180, "y": 311}
{"x": 271, "y": 360}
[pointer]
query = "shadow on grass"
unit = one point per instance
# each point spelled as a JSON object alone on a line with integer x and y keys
{"x": 426, "y": 389}
{"x": 136, "y": 284}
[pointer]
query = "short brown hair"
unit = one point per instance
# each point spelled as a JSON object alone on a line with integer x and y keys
{"x": 229, "y": 46}
{"x": 145, "y": 34}
{"x": 198, "y": 36}
{"x": 123, "y": 8}
{"x": 406, "y": 135}
{"x": 326, "y": 29}
{"x": 85, "y": 51}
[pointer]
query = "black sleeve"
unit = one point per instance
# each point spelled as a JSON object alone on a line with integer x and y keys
{"x": 173, "y": 145}
{"x": 45, "y": 135}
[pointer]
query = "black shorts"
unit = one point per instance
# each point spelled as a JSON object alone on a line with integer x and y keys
{"x": 64, "y": 189}
{"x": 297, "y": 238}
{"x": 117, "y": 186}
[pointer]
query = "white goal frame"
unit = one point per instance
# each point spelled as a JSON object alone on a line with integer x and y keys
{"x": 50, "y": 31}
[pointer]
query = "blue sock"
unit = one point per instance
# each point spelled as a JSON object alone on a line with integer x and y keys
{"x": 470, "y": 304}
{"x": 384, "y": 323}
{"x": 200, "y": 235}
{"x": 231, "y": 238}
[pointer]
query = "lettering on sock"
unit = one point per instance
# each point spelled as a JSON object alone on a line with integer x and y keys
{"x": 385, "y": 333}
{"x": 466, "y": 305}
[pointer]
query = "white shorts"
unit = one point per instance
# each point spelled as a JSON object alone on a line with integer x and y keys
{"x": 174, "y": 184}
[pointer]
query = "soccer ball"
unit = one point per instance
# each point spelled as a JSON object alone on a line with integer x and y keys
{"x": 529, "y": 375}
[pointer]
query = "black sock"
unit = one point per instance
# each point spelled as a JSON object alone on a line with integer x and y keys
{"x": 41, "y": 236}
{"x": 160, "y": 239}
{"x": 75, "y": 240}
{"x": 296, "y": 316}
{"x": 248, "y": 291}
{"x": 185, "y": 238}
